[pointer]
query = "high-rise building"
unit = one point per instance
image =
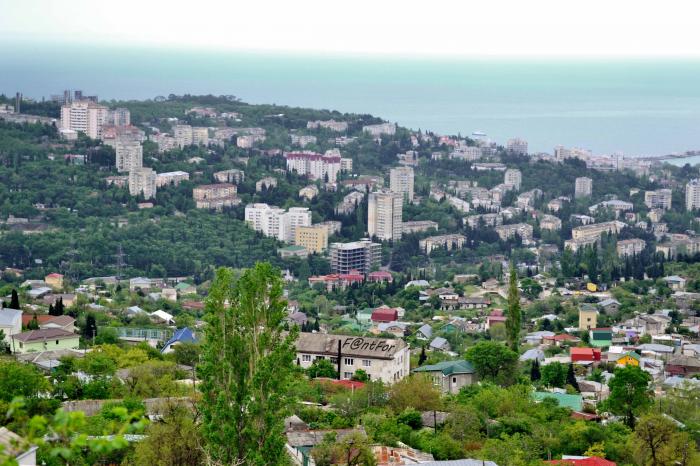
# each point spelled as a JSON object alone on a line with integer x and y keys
{"x": 313, "y": 165}
{"x": 275, "y": 222}
{"x": 692, "y": 194}
{"x": 384, "y": 215}
{"x": 659, "y": 199}
{"x": 360, "y": 255}
{"x": 200, "y": 136}
{"x": 119, "y": 116}
{"x": 517, "y": 146}
{"x": 85, "y": 116}
{"x": 129, "y": 155}
{"x": 314, "y": 238}
{"x": 401, "y": 181}
{"x": 291, "y": 220}
{"x": 583, "y": 187}
{"x": 142, "y": 181}
{"x": 513, "y": 177}
{"x": 182, "y": 135}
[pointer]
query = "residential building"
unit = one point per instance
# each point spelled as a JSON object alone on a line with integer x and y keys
{"x": 382, "y": 359}
{"x": 361, "y": 255}
{"x": 293, "y": 251}
{"x": 44, "y": 340}
{"x": 418, "y": 226}
{"x": 587, "y": 317}
{"x": 350, "y": 203}
{"x": 562, "y": 153}
{"x": 595, "y": 230}
{"x": 630, "y": 247}
{"x": 483, "y": 220}
{"x": 384, "y": 214}
{"x": 119, "y": 116}
{"x": 182, "y": 135}
{"x": 303, "y": 140}
{"x": 165, "y": 141}
{"x": 111, "y": 134}
{"x": 129, "y": 155}
{"x": 583, "y": 187}
{"x": 659, "y": 199}
{"x": 313, "y": 165}
{"x": 10, "y": 323}
{"x": 333, "y": 226}
{"x": 265, "y": 183}
{"x": 550, "y": 222}
{"x": 337, "y": 126}
{"x": 517, "y": 146}
{"x": 615, "y": 205}
{"x": 692, "y": 194}
{"x": 401, "y": 181}
{"x": 275, "y": 222}
{"x": 292, "y": 219}
{"x": 16, "y": 448}
{"x": 309, "y": 192}
{"x": 142, "y": 181}
{"x": 215, "y": 196}
{"x": 85, "y": 116}
{"x": 171, "y": 178}
{"x": 523, "y": 230}
{"x": 54, "y": 280}
{"x": 232, "y": 175}
{"x": 314, "y": 238}
{"x": 345, "y": 164}
{"x": 447, "y": 242}
{"x": 382, "y": 128}
{"x": 513, "y": 177}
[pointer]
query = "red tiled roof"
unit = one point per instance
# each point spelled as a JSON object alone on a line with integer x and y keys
{"x": 385, "y": 315}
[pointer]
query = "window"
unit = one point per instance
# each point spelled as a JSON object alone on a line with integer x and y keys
{"x": 349, "y": 361}
{"x": 56, "y": 341}
{"x": 454, "y": 379}
{"x": 366, "y": 362}
{"x": 347, "y": 375}
{"x": 306, "y": 357}
{"x": 320, "y": 357}
{"x": 334, "y": 360}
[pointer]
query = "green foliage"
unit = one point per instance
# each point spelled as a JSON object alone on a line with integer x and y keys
{"x": 629, "y": 393}
{"x": 417, "y": 392}
{"x": 493, "y": 362}
{"x": 322, "y": 368}
{"x": 513, "y": 314}
{"x": 554, "y": 374}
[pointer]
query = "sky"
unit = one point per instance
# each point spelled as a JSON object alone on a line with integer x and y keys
{"x": 467, "y": 28}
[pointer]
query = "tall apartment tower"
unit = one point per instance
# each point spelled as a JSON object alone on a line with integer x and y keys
{"x": 292, "y": 219}
{"x": 384, "y": 215}
{"x": 119, "y": 116}
{"x": 517, "y": 146}
{"x": 401, "y": 181}
{"x": 513, "y": 177}
{"x": 129, "y": 155}
{"x": 182, "y": 135}
{"x": 360, "y": 255}
{"x": 583, "y": 187}
{"x": 85, "y": 116}
{"x": 142, "y": 181}
{"x": 692, "y": 194}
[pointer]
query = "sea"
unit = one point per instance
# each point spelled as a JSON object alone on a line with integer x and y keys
{"x": 633, "y": 106}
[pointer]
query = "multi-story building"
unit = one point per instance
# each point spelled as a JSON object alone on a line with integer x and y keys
{"x": 575, "y": 244}
{"x": 517, "y": 146}
{"x": 382, "y": 128}
{"x": 583, "y": 187}
{"x": 171, "y": 178}
{"x": 345, "y": 164}
{"x": 387, "y": 360}
{"x": 630, "y": 247}
{"x": 513, "y": 177}
{"x": 292, "y": 219}
{"x": 112, "y": 134}
{"x": 129, "y": 155}
{"x": 675, "y": 247}
{"x": 550, "y": 222}
{"x": 418, "y": 226}
{"x": 524, "y": 230}
{"x": 361, "y": 255}
{"x": 200, "y": 136}
{"x": 595, "y": 230}
{"x": 692, "y": 194}
{"x": 350, "y": 203}
{"x": 384, "y": 215}
{"x": 165, "y": 141}
{"x": 333, "y": 226}
{"x": 84, "y": 116}
{"x": 119, "y": 116}
{"x": 142, "y": 181}
{"x": 314, "y": 165}
{"x": 562, "y": 153}
{"x": 215, "y": 196}
{"x": 314, "y": 238}
{"x": 275, "y": 222}
{"x": 182, "y": 135}
{"x": 468, "y": 153}
{"x": 659, "y": 199}
{"x": 485, "y": 220}
{"x": 303, "y": 140}
{"x": 401, "y": 181}
{"x": 337, "y": 126}
{"x": 447, "y": 242}
{"x": 230, "y": 176}
{"x": 587, "y": 318}
{"x": 265, "y": 183}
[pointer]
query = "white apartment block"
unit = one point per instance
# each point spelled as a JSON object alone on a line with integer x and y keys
{"x": 517, "y": 146}
{"x": 171, "y": 178}
{"x": 562, "y": 153}
{"x": 182, "y": 135}
{"x": 583, "y": 187}
{"x": 447, "y": 242}
{"x": 215, "y": 196}
{"x": 119, "y": 116}
{"x": 200, "y": 136}
{"x": 630, "y": 247}
{"x": 524, "y": 230}
{"x": 129, "y": 155}
{"x": 337, "y": 126}
{"x": 142, "y": 181}
{"x": 313, "y": 165}
{"x": 303, "y": 140}
{"x": 692, "y": 194}
{"x": 232, "y": 175}
{"x": 345, "y": 164}
{"x": 468, "y": 153}
{"x": 290, "y": 220}
{"x": 165, "y": 141}
{"x": 595, "y": 230}
{"x": 513, "y": 177}
{"x": 401, "y": 181}
{"x": 85, "y": 116}
{"x": 384, "y": 215}
{"x": 380, "y": 129}
{"x": 275, "y": 222}
{"x": 659, "y": 199}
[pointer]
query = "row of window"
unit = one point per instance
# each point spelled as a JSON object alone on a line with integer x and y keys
{"x": 348, "y": 361}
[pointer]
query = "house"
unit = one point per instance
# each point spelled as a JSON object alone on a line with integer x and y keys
{"x": 675, "y": 282}
{"x": 38, "y": 293}
{"x": 162, "y": 317}
{"x": 398, "y": 329}
{"x": 134, "y": 311}
{"x": 600, "y": 337}
{"x": 691, "y": 350}
{"x": 139, "y": 283}
{"x": 169, "y": 294}
{"x": 300, "y": 443}
{"x": 532, "y": 355}
{"x": 14, "y": 447}
{"x": 64, "y": 322}
{"x": 297, "y": 318}
{"x": 585, "y": 355}
{"x": 685, "y": 366}
{"x": 68, "y": 299}
{"x": 473, "y": 303}
{"x": 495, "y": 317}
{"x": 491, "y": 284}
{"x": 184, "y": 288}
{"x": 610, "y": 306}
{"x": 561, "y": 339}
{"x": 385, "y": 314}
{"x": 587, "y": 317}
{"x": 10, "y": 323}
{"x": 44, "y": 340}
{"x": 536, "y": 338}
{"x": 630, "y": 358}
{"x": 425, "y": 332}
{"x": 439, "y": 344}
{"x": 380, "y": 276}
{"x": 54, "y": 280}
{"x": 450, "y": 376}
{"x": 183, "y": 335}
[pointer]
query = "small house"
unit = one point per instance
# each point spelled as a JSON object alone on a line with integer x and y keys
{"x": 450, "y": 376}
{"x": 439, "y": 344}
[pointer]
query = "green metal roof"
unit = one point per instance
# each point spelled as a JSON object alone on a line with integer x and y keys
{"x": 573, "y": 402}
{"x": 448, "y": 367}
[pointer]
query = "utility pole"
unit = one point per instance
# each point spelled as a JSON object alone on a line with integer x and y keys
{"x": 120, "y": 261}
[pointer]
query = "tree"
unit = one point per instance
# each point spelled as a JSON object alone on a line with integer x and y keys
{"x": 422, "y": 357}
{"x": 90, "y": 329}
{"x": 353, "y": 450}
{"x": 513, "y": 317}
{"x": 571, "y": 378}
{"x": 535, "y": 370}
{"x": 417, "y": 391}
{"x": 33, "y": 324}
{"x": 322, "y": 368}
{"x": 20, "y": 380}
{"x": 360, "y": 375}
{"x": 658, "y": 443}
{"x": 14, "y": 300}
{"x": 175, "y": 439}
{"x": 247, "y": 365}
{"x": 186, "y": 353}
{"x": 629, "y": 393}
{"x": 493, "y": 361}
{"x": 554, "y": 374}
{"x": 59, "y": 308}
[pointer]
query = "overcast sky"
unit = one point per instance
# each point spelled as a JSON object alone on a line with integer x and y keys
{"x": 561, "y": 28}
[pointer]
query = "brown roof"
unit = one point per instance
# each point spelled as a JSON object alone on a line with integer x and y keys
{"x": 44, "y": 334}
{"x": 378, "y": 348}
{"x": 47, "y": 319}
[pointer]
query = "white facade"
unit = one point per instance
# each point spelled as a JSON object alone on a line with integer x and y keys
{"x": 85, "y": 116}
{"x": 384, "y": 214}
{"x": 275, "y": 222}
{"x": 142, "y": 181}
{"x": 171, "y": 178}
{"x": 517, "y": 146}
{"x": 200, "y": 136}
{"x": 129, "y": 155}
{"x": 659, "y": 199}
{"x": 692, "y": 194}
{"x": 119, "y": 117}
{"x": 513, "y": 177}
{"x": 583, "y": 187}
{"x": 401, "y": 180}
{"x": 290, "y": 220}
{"x": 313, "y": 165}
{"x": 182, "y": 135}
{"x": 382, "y": 128}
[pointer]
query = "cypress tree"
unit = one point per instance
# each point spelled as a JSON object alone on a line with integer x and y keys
{"x": 59, "y": 309}
{"x": 513, "y": 317}
{"x": 14, "y": 301}
{"x": 422, "y": 357}
{"x": 571, "y": 378}
{"x": 52, "y": 312}
{"x": 535, "y": 370}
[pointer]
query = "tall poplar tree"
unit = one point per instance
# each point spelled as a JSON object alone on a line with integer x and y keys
{"x": 513, "y": 316}
{"x": 246, "y": 367}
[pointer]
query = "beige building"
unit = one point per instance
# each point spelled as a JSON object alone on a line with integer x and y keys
{"x": 142, "y": 181}
{"x": 513, "y": 177}
{"x": 265, "y": 183}
{"x": 595, "y": 230}
{"x": 550, "y": 222}
{"x": 583, "y": 187}
{"x": 232, "y": 175}
{"x": 215, "y": 196}
{"x": 587, "y": 318}
{"x": 182, "y": 135}
{"x": 401, "y": 181}
{"x": 517, "y": 146}
{"x": 171, "y": 178}
{"x": 659, "y": 199}
{"x": 382, "y": 359}
{"x": 524, "y": 230}
{"x": 692, "y": 194}
{"x": 630, "y": 247}
{"x": 385, "y": 211}
{"x": 447, "y": 242}
{"x": 85, "y": 116}
{"x": 129, "y": 155}
{"x": 200, "y": 136}
{"x": 314, "y": 238}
